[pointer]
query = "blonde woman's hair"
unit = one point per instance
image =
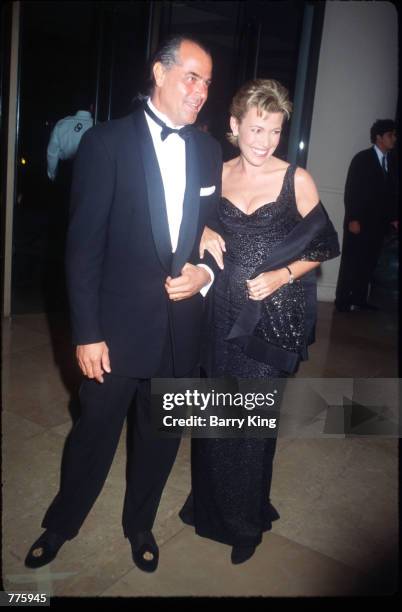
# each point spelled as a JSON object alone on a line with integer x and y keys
{"x": 267, "y": 95}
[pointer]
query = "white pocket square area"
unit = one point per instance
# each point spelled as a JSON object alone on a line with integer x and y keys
{"x": 206, "y": 191}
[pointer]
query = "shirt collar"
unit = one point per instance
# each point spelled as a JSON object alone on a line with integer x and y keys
{"x": 82, "y": 113}
{"x": 162, "y": 117}
{"x": 380, "y": 154}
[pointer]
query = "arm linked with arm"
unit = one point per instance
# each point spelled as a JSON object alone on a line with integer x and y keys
{"x": 213, "y": 256}
{"x": 192, "y": 280}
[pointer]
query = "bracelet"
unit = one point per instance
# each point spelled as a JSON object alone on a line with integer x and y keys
{"x": 291, "y": 277}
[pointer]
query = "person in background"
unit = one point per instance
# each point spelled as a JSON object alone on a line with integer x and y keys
{"x": 67, "y": 133}
{"x": 370, "y": 213}
{"x": 63, "y": 145}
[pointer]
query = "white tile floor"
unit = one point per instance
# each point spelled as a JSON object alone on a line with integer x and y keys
{"x": 337, "y": 497}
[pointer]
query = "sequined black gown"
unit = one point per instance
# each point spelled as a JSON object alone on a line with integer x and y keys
{"x": 231, "y": 478}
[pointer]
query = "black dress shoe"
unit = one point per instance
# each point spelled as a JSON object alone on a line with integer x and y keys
{"x": 145, "y": 551}
{"x": 240, "y": 554}
{"x": 44, "y": 550}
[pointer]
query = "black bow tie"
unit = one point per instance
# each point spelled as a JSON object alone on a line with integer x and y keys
{"x": 184, "y": 132}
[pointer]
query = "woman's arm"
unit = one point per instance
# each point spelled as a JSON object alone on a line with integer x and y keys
{"x": 211, "y": 240}
{"x": 266, "y": 283}
{"x": 214, "y": 243}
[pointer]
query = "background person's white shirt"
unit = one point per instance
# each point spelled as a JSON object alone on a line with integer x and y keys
{"x": 65, "y": 138}
{"x": 171, "y": 155}
{"x": 380, "y": 156}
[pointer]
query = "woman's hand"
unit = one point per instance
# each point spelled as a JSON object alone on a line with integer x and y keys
{"x": 267, "y": 283}
{"x": 214, "y": 243}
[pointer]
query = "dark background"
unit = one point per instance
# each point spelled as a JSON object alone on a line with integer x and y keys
{"x": 102, "y": 49}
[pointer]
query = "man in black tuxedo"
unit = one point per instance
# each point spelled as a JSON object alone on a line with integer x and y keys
{"x": 143, "y": 189}
{"x": 370, "y": 208}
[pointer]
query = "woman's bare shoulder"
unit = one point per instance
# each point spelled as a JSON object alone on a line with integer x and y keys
{"x": 307, "y": 195}
{"x": 304, "y": 181}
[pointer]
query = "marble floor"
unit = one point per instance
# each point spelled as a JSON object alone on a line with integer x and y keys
{"x": 337, "y": 496}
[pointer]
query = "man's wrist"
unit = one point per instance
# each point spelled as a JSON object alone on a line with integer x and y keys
{"x": 205, "y": 288}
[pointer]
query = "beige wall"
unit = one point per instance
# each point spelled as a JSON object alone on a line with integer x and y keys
{"x": 357, "y": 83}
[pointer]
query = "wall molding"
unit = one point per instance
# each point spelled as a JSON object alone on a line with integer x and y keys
{"x": 334, "y": 190}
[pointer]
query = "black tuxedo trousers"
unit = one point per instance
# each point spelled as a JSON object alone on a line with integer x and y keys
{"x": 91, "y": 447}
{"x": 360, "y": 254}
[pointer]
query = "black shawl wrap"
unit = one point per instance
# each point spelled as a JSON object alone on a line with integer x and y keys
{"x": 313, "y": 239}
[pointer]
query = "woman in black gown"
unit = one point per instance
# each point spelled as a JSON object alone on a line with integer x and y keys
{"x": 263, "y": 200}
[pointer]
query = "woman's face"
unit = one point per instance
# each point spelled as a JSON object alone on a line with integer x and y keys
{"x": 258, "y": 135}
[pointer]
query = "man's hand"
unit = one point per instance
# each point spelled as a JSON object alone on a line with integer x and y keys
{"x": 214, "y": 243}
{"x": 93, "y": 360}
{"x": 395, "y": 224}
{"x": 354, "y": 227}
{"x": 266, "y": 283}
{"x": 192, "y": 279}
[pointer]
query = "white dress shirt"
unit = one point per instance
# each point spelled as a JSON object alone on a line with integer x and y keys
{"x": 171, "y": 155}
{"x": 65, "y": 138}
{"x": 380, "y": 156}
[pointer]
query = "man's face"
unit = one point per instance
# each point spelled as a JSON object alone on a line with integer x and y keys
{"x": 387, "y": 141}
{"x": 182, "y": 90}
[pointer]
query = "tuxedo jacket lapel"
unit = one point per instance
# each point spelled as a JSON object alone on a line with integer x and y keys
{"x": 191, "y": 206}
{"x": 156, "y": 193}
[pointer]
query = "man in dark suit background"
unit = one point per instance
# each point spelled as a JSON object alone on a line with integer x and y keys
{"x": 370, "y": 210}
{"x": 144, "y": 187}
